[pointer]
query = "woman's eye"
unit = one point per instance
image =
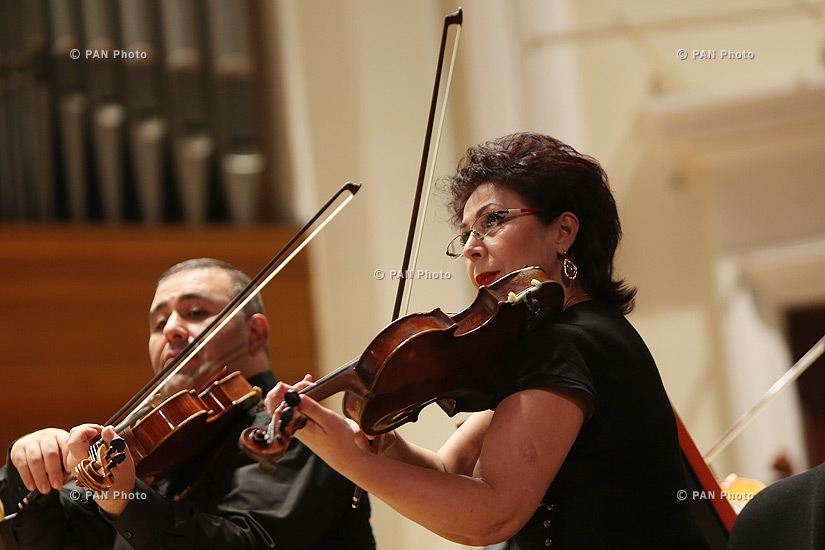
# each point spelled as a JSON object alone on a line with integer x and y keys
{"x": 493, "y": 219}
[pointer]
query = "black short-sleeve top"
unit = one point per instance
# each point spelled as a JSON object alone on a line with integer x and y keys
{"x": 618, "y": 486}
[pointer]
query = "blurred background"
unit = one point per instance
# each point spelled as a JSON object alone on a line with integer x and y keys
{"x": 138, "y": 133}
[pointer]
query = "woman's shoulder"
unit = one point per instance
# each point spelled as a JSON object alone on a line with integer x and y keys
{"x": 581, "y": 320}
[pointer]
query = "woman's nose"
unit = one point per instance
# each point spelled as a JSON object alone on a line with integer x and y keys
{"x": 474, "y": 247}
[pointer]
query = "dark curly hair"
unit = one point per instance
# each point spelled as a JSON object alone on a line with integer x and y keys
{"x": 554, "y": 177}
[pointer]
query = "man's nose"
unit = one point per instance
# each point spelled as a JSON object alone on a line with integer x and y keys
{"x": 175, "y": 328}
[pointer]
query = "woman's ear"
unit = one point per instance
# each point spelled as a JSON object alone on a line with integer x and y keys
{"x": 568, "y": 228}
{"x": 258, "y": 332}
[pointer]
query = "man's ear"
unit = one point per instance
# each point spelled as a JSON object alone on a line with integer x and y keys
{"x": 568, "y": 228}
{"x": 258, "y": 332}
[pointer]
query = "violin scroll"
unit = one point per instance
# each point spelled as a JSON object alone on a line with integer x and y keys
{"x": 94, "y": 473}
{"x": 265, "y": 445}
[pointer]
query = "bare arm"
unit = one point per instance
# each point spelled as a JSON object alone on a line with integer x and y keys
{"x": 458, "y": 456}
{"x": 518, "y": 454}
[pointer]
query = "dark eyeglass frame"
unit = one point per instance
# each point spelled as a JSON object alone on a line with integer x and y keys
{"x": 459, "y": 242}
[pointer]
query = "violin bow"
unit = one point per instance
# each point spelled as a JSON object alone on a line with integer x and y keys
{"x": 413, "y": 237}
{"x": 402, "y": 300}
{"x": 782, "y": 382}
{"x": 275, "y": 265}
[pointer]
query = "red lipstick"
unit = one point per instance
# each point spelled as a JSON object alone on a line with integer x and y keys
{"x": 484, "y": 279}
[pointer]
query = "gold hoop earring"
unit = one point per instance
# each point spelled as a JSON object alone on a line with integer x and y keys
{"x": 569, "y": 269}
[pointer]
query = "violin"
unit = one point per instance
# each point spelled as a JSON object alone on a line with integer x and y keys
{"x": 162, "y": 440}
{"x": 425, "y": 358}
{"x": 167, "y": 437}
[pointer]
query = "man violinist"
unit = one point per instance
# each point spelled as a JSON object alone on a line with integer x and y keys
{"x": 303, "y": 504}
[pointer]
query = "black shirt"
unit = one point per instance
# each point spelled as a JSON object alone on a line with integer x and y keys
{"x": 617, "y": 488}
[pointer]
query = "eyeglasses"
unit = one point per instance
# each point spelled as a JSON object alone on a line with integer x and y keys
{"x": 486, "y": 224}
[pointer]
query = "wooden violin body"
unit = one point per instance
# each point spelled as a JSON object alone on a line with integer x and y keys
{"x": 170, "y": 435}
{"x": 429, "y": 358}
{"x": 452, "y": 360}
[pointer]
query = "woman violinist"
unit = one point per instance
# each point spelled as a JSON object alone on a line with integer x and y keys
{"x": 581, "y": 448}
